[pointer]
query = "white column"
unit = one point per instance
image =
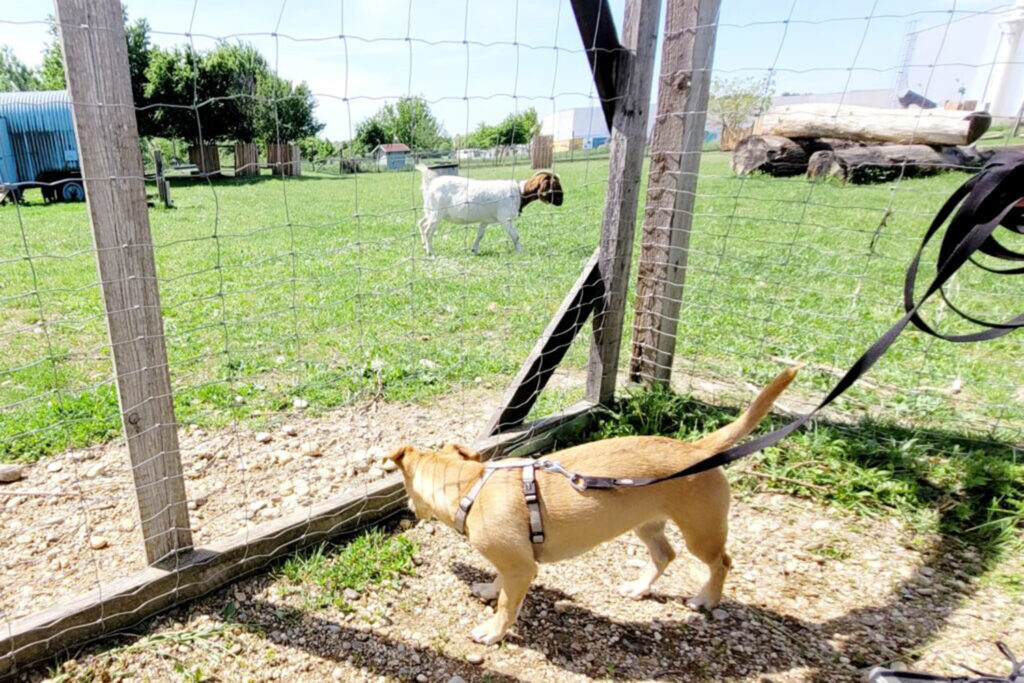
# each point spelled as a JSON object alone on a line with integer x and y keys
{"x": 1002, "y": 99}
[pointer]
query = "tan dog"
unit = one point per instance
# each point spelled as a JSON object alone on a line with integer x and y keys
{"x": 574, "y": 521}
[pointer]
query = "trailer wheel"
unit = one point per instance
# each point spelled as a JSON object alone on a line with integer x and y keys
{"x": 72, "y": 191}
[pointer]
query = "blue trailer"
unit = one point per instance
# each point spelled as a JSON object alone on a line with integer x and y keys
{"x": 37, "y": 146}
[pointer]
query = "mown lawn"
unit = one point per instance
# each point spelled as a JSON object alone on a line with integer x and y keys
{"x": 317, "y": 288}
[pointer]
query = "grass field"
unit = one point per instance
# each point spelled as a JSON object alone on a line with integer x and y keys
{"x": 317, "y": 288}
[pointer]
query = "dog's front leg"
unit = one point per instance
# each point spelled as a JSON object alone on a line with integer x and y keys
{"x": 514, "y": 582}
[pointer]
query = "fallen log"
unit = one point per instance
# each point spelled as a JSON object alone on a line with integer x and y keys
{"x": 779, "y": 156}
{"x": 870, "y": 124}
{"x": 883, "y": 163}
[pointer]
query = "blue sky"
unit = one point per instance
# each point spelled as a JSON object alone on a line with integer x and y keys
{"x": 826, "y": 46}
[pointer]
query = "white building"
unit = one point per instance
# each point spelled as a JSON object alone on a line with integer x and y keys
{"x": 975, "y": 57}
{"x": 580, "y": 128}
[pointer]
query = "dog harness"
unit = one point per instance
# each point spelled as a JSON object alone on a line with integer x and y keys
{"x": 529, "y": 469}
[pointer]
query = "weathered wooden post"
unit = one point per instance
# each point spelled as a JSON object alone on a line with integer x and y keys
{"x": 634, "y": 67}
{"x": 686, "y": 57}
{"x": 163, "y": 188}
{"x": 96, "y": 64}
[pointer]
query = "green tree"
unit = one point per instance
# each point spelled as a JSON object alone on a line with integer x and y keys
{"x": 734, "y": 102}
{"x": 514, "y": 129}
{"x": 285, "y": 111}
{"x": 51, "y": 74}
{"x": 409, "y": 121}
{"x": 316, "y": 149}
{"x": 14, "y": 75}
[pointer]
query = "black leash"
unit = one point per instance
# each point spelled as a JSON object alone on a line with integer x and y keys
{"x": 993, "y": 197}
{"x": 1016, "y": 675}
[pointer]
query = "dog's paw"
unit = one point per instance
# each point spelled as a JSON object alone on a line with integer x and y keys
{"x": 486, "y": 591}
{"x": 635, "y": 590}
{"x": 701, "y": 603}
{"x": 487, "y": 633}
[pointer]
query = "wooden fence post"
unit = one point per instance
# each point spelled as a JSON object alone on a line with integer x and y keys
{"x": 687, "y": 53}
{"x": 96, "y": 64}
{"x": 633, "y": 70}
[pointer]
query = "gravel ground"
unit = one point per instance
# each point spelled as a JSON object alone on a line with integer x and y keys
{"x": 71, "y": 521}
{"x": 816, "y": 595}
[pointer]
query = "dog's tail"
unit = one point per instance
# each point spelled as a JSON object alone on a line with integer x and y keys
{"x": 751, "y": 417}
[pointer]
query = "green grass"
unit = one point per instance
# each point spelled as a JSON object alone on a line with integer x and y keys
{"x": 317, "y": 287}
{"x": 373, "y": 559}
{"x": 936, "y": 480}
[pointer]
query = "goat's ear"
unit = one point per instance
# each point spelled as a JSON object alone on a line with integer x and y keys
{"x": 464, "y": 452}
{"x": 399, "y": 453}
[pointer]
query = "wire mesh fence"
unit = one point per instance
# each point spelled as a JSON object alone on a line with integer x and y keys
{"x": 307, "y": 331}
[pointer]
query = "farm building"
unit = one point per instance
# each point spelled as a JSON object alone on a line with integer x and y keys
{"x": 579, "y": 128}
{"x": 37, "y": 145}
{"x": 391, "y": 157}
{"x": 979, "y": 58}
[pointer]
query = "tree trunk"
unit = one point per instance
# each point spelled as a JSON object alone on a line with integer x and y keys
{"x": 888, "y": 162}
{"x": 779, "y": 156}
{"x": 247, "y": 159}
{"x": 869, "y": 124}
{"x": 206, "y": 159}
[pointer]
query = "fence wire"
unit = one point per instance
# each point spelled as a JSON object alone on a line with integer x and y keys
{"x": 308, "y": 332}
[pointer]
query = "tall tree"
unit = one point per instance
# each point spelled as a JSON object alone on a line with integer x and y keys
{"x": 514, "y": 129}
{"x": 409, "y": 121}
{"x": 14, "y": 74}
{"x": 285, "y": 112}
{"x": 51, "y": 74}
{"x": 734, "y": 102}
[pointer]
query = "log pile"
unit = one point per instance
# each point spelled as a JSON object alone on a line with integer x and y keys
{"x": 861, "y": 144}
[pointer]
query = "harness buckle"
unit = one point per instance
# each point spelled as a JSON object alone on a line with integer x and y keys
{"x": 537, "y": 537}
{"x": 465, "y": 503}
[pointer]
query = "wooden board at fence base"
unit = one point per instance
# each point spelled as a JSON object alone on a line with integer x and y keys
{"x": 870, "y": 124}
{"x": 96, "y": 64}
{"x": 247, "y": 159}
{"x": 124, "y": 603}
{"x": 549, "y": 350}
{"x": 883, "y": 163}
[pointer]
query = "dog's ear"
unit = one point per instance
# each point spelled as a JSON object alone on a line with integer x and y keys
{"x": 464, "y": 452}
{"x": 400, "y": 453}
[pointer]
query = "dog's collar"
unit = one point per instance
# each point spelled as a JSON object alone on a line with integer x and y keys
{"x": 529, "y": 493}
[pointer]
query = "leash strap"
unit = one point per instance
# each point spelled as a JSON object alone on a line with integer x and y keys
{"x": 989, "y": 199}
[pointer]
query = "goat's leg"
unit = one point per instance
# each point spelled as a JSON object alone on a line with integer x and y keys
{"x": 481, "y": 229}
{"x": 510, "y": 228}
{"x": 427, "y": 234}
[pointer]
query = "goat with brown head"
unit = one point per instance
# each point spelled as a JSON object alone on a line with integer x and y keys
{"x": 545, "y": 186}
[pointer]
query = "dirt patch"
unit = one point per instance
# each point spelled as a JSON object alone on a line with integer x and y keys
{"x": 71, "y": 522}
{"x": 816, "y": 595}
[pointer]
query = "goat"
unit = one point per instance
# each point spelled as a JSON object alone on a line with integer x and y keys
{"x": 484, "y": 202}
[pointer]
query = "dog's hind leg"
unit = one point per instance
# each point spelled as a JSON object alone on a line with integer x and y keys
{"x": 704, "y": 520}
{"x": 514, "y": 579}
{"x": 653, "y": 536}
